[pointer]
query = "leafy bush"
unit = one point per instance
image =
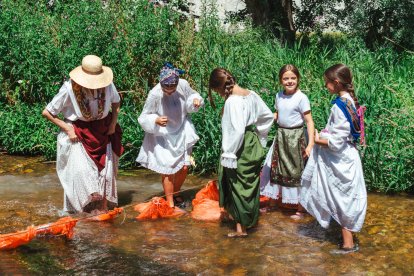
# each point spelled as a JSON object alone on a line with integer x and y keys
{"x": 39, "y": 50}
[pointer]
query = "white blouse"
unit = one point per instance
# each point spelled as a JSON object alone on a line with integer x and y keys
{"x": 240, "y": 112}
{"x": 164, "y": 149}
{"x": 65, "y": 102}
{"x": 338, "y": 127}
{"x": 291, "y": 108}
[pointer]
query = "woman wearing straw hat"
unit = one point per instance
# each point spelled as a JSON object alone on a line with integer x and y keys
{"x": 169, "y": 133}
{"x": 89, "y": 144}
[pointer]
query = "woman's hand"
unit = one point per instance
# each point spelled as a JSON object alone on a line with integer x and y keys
{"x": 72, "y": 135}
{"x": 308, "y": 150}
{"x": 196, "y": 103}
{"x": 162, "y": 121}
{"x": 111, "y": 129}
{"x": 317, "y": 139}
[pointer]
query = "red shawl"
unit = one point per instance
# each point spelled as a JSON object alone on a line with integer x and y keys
{"x": 92, "y": 135}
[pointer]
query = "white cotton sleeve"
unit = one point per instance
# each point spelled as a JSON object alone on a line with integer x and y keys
{"x": 190, "y": 95}
{"x": 340, "y": 130}
{"x": 59, "y": 101}
{"x": 149, "y": 115}
{"x": 264, "y": 121}
{"x": 304, "y": 104}
{"x": 233, "y": 128}
{"x": 115, "y": 95}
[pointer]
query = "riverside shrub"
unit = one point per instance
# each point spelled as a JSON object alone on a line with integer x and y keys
{"x": 40, "y": 43}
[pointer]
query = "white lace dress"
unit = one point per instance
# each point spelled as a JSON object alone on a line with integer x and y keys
{"x": 166, "y": 150}
{"x": 333, "y": 183}
{"x": 77, "y": 172}
{"x": 291, "y": 109}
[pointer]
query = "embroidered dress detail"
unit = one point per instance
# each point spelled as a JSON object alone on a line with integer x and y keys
{"x": 351, "y": 115}
{"x": 83, "y": 98}
{"x": 361, "y": 110}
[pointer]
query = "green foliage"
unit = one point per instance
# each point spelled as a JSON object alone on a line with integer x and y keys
{"x": 136, "y": 39}
{"x": 375, "y": 21}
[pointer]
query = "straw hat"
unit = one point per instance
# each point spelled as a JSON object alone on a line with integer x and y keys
{"x": 91, "y": 74}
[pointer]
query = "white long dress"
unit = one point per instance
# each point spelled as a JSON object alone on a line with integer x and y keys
{"x": 77, "y": 172}
{"x": 166, "y": 150}
{"x": 290, "y": 110}
{"x": 333, "y": 183}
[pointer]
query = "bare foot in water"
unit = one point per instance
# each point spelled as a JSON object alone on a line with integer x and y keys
{"x": 95, "y": 197}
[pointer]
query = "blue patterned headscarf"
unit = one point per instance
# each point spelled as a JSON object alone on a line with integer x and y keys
{"x": 169, "y": 75}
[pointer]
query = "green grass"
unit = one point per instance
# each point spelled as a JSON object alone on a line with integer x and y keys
{"x": 38, "y": 51}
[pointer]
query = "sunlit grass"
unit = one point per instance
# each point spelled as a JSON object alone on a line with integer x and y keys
{"x": 136, "y": 39}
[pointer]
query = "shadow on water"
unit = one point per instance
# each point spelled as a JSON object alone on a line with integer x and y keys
{"x": 30, "y": 194}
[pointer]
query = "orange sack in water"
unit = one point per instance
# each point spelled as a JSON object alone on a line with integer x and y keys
{"x": 109, "y": 216}
{"x": 63, "y": 226}
{"x": 205, "y": 204}
{"x": 13, "y": 240}
{"x": 210, "y": 191}
{"x": 158, "y": 207}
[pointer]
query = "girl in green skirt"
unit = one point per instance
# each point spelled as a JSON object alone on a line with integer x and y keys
{"x": 246, "y": 121}
{"x": 286, "y": 159}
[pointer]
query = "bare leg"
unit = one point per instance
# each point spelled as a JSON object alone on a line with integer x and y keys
{"x": 300, "y": 213}
{"x": 168, "y": 185}
{"x": 241, "y": 229}
{"x": 179, "y": 178}
{"x": 348, "y": 239}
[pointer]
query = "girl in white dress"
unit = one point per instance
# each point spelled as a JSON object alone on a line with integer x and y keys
{"x": 169, "y": 133}
{"x": 333, "y": 183}
{"x": 89, "y": 144}
{"x": 286, "y": 158}
{"x": 245, "y": 124}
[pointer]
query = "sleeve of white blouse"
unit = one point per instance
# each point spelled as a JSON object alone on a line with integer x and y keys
{"x": 149, "y": 115}
{"x": 339, "y": 130}
{"x": 304, "y": 105}
{"x": 233, "y": 127}
{"x": 191, "y": 95}
{"x": 264, "y": 121}
{"x": 115, "y": 95}
{"x": 59, "y": 101}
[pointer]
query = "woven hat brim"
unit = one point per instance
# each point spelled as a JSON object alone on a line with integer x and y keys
{"x": 92, "y": 81}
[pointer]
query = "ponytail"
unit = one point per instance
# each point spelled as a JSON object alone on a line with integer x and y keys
{"x": 222, "y": 81}
{"x": 343, "y": 75}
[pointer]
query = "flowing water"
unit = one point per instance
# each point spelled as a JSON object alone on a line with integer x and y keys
{"x": 30, "y": 194}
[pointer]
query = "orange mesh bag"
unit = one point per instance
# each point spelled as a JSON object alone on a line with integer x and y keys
{"x": 264, "y": 201}
{"x": 140, "y": 207}
{"x": 206, "y": 210}
{"x": 210, "y": 191}
{"x": 158, "y": 207}
{"x": 63, "y": 226}
{"x": 109, "y": 216}
{"x": 13, "y": 240}
{"x": 205, "y": 204}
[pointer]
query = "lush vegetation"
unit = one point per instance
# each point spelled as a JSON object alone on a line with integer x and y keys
{"x": 40, "y": 43}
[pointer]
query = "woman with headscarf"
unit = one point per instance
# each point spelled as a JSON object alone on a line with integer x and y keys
{"x": 89, "y": 144}
{"x": 169, "y": 133}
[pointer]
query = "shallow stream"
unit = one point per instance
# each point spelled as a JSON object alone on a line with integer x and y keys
{"x": 30, "y": 194}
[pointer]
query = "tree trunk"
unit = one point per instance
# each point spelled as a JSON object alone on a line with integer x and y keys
{"x": 276, "y": 15}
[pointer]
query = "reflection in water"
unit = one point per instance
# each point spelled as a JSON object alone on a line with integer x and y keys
{"x": 30, "y": 194}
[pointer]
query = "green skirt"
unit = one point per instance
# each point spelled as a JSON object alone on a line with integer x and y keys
{"x": 288, "y": 158}
{"x": 239, "y": 188}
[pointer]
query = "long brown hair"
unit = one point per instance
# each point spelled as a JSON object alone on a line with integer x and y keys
{"x": 343, "y": 75}
{"x": 222, "y": 81}
{"x": 289, "y": 67}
